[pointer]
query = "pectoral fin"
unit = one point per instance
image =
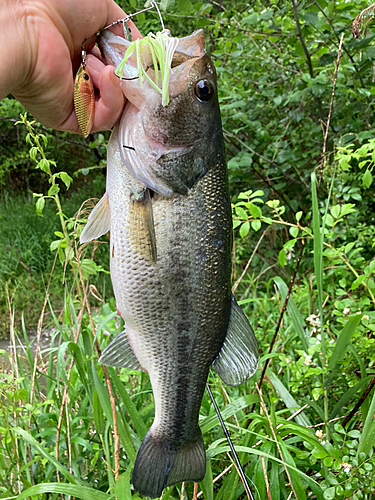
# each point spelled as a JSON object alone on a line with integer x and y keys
{"x": 239, "y": 357}
{"x": 120, "y": 354}
{"x": 141, "y": 225}
{"x": 99, "y": 221}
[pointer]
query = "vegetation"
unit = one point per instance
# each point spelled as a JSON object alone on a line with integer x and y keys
{"x": 296, "y": 92}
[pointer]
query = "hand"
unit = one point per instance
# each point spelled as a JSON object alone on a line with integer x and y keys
{"x": 44, "y": 43}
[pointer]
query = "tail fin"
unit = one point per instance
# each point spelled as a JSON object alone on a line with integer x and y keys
{"x": 160, "y": 464}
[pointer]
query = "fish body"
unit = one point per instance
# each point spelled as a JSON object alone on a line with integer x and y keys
{"x": 169, "y": 212}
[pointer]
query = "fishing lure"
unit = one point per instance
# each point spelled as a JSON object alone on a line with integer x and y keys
{"x": 84, "y": 93}
{"x": 84, "y": 98}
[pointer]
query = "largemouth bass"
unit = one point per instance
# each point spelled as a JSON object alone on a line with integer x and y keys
{"x": 168, "y": 209}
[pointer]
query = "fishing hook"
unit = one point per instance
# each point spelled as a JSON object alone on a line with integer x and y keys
{"x": 231, "y": 446}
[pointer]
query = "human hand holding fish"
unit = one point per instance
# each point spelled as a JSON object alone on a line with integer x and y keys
{"x": 41, "y": 44}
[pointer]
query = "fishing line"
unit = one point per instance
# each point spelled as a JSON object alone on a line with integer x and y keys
{"x": 154, "y": 4}
{"x": 231, "y": 446}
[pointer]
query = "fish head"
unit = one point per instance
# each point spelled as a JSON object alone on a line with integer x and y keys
{"x": 185, "y": 131}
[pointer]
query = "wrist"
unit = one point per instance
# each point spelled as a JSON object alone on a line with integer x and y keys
{"x": 13, "y": 50}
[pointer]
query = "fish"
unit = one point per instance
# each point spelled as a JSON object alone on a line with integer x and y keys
{"x": 168, "y": 210}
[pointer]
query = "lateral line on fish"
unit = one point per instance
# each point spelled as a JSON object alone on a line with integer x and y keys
{"x": 231, "y": 446}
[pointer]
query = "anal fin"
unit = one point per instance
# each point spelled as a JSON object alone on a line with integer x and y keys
{"x": 141, "y": 225}
{"x": 239, "y": 356}
{"x": 99, "y": 221}
{"x": 120, "y": 354}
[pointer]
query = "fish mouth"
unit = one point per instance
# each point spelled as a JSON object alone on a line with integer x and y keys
{"x": 113, "y": 48}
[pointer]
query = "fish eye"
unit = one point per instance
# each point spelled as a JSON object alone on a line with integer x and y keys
{"x": 86, "y": 76}
{"x": 204, "y": 90}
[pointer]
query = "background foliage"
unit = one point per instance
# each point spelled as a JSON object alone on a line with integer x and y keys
{"x": 308, "y": 432}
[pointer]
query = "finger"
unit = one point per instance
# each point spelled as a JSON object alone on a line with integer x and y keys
{"x": 94, "y": 67}
{"x": 110, "y": 104}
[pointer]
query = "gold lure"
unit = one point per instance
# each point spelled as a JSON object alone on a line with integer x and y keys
{"x": 84, "y": 98}
{"x": 84, "y": 93}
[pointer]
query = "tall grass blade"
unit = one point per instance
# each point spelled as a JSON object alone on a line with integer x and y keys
{"x": 232, "y": 449}
{"x": 243, "y": 402}
{"x": 368, "y": 429}
{"x": 82, "y": 492}
{"x": 349, "y": 395}
{"x": 102, "y": 393}
{"x": 293, "y": 312}
{"x": 130, "y": 407}
{"x": 253, "y": 451}
{"x": 207, "y": 483}
{"x": 318, "y": 255}
{"x": 288, "y": 399}
{"x": 343, "y": 341}
{"x": 295, "y": 478}
{"x": 122, "y": 487}
{"x": 27, "y": 437}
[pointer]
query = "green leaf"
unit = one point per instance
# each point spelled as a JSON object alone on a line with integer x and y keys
{"x": 294, "y": 476}
{"x": 67, "y": 180}
{"x": 298, "y": 216}
{"x": 282, "y": 258}
{"x": 252, "y": 19}
{"x": 44, "y": 165}
{"x": 33, "y": 152}
{"x": 318, "y": 453}
{"x": 255, "y": 211}
{"x": 244, "y": 229}
{"x": 329, "y": 493}
{"x": 335, "y": 211}
{"x": 55, "y": 245}
{"x": 328, "y": 461}
{"x": 294, "y": 231}
{"x": 358, "y": 281}
{"x": 39, "y": 205}
{"x": 256, "y": 225}
{"x": 367, "y": 179}
{"x": 53, "y": 190}
{"x": 88, "y": 266}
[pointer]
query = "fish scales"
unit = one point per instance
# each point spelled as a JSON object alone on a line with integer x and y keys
{"x": 168, "y": 209}
{"x": 186, "y": 292}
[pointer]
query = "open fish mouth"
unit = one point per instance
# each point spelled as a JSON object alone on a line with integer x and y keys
{"x": 114, "y": 48}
